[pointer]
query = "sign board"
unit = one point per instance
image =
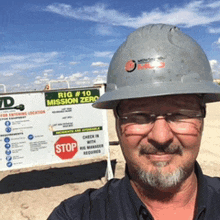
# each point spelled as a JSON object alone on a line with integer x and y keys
{"x": 39, "y": 128}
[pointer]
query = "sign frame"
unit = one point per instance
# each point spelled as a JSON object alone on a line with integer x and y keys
{"x": 32, "y": 122}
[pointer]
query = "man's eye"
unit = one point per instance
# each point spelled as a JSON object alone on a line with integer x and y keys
{"x": 139, "y": 118}
{"x": 176, "y": 117}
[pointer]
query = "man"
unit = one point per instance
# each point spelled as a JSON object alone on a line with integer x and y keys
{"x": 158, "y": 83}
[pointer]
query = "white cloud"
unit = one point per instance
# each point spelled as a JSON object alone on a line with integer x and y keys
{"x": 85, "y": 81}
{"x": 75, "y": 76}
{"x": 103, "y": 71}
{"x": 214, "y": 30}
{"x": 41, "y": 80}
{"x": 188, "y": 15}
{"x": 77, "y": 79}
{"x": 99, "y": 79}
{"x": 213, "y": 62}
{"x": 18, "y": 67}
{"x": 42, "y": 57}
{"x": 99, "y": 64}
{"x": 215, "y": 66}
{"x": 217, "y": 43}
{"x": 214, "y": 4}
{"x": 47, "y": 71}
{"x": 95, "y": 13}
{"x": 61, "y": 77}
{"x": 82, "y": 83}
{"x": 38, "y": 82}
{"x": 95, "y": 72}
{"x": 11, "y": 58}
{"x": 37, "y": 77}
{"x": 19, "y": 63}
{"x": 73, "y": 63}
{"x": 86, "y": 78}
{"x": 103, "y": 54}
{"x": 104, "y": 30}
{"x": 33, "y": 57}
{"x": 44, "y": 80}
{"x": 8, "y": 74}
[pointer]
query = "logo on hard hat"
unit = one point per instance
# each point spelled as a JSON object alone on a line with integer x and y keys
{"x": 130, "y": 66}
{"x": 143, "y": 64}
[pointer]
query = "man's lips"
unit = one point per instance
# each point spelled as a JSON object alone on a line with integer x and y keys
{"x": 160, "y": 156}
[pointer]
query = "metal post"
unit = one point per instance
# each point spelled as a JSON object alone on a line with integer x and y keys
{"x": 4, "y": 87}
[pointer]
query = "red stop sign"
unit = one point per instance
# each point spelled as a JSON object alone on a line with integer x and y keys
{"x": 66, "y": 147}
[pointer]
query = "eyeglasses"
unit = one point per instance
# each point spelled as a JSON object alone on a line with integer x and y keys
{"x": 184, "y": 121}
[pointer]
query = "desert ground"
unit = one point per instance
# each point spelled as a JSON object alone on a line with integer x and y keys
{"x": 32, "y": 193}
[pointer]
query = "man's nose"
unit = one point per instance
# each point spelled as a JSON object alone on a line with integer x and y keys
{"x": 161, "y": 132}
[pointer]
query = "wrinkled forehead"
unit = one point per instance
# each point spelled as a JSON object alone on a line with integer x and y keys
{"x": 161, "y": 103}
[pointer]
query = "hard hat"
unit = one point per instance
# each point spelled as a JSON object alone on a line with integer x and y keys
{"x": 158, "y": 60}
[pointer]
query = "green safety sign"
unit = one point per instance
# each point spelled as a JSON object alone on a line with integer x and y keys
{"x": 71, "y": 97}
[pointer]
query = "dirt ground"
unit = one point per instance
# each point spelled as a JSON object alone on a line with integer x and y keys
{"x": 29, "y": 194}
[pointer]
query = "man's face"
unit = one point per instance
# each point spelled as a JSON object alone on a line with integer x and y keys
{"x": 161, "y": 151}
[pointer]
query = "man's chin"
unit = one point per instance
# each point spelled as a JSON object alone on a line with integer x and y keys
{"x": 162, "y": 177}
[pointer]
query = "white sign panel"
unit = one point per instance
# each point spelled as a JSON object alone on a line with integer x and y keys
{"x": 49, "y": 127}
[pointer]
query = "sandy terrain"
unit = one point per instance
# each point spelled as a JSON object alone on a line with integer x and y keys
{"x": 32, "y": 194}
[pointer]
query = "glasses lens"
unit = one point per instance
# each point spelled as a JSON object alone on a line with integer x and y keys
{"x": 137, "y": 118}
{"x": 184, "y": 122}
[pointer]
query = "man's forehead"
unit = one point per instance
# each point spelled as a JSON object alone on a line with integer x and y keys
{"x": 178, "y": 101}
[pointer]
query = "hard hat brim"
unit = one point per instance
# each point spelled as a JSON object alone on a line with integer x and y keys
{"x": 110, "y": 99}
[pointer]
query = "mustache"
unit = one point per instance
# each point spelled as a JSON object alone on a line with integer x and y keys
{"x": 170, "y": 149}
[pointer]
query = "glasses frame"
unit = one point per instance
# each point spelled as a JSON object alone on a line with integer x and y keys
{"x": 202, "y": 108}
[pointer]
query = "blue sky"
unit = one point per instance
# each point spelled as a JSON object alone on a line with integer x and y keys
{"x": 75, "y": 40}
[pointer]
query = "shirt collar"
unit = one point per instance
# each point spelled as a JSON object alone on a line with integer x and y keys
{"x": 202, "y": 189}
{"x": 138, "y": 205}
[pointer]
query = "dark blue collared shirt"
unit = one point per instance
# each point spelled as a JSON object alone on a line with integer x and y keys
{"x": 117, "y": 200}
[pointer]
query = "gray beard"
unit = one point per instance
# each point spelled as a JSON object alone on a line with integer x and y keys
{"x": 160, "y": 180}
